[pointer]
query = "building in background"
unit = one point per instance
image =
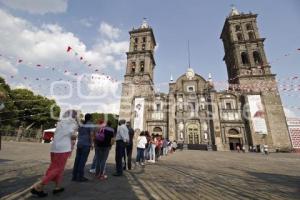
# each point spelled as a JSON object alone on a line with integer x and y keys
{"x": 249, "y": 113}
{"x": 294, "y": 130}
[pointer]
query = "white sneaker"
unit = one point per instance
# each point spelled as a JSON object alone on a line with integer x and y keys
{"x": 142, "y": 164}
{"x": 93, "y": 171}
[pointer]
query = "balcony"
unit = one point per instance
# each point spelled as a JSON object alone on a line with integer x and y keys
{"x": 158, "y": 115}
{"x": 230, "y": 115}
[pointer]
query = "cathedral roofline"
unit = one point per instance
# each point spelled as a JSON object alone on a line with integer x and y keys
{"x": 140, "y": 30}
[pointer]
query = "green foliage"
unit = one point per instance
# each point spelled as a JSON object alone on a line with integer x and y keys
{"x": 96, "y": 117}
{"x": 23, "y": 107}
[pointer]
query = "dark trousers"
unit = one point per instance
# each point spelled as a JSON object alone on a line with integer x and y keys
{"x": 82, "y": 154}
{"x": 120, "y": 151}
{"x": 140, "y": 155}
{"x": 101, "y": 155}
{"x": 128, "y": 156}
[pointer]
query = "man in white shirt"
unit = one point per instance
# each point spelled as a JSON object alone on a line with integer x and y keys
{"x": 122, "y": 138}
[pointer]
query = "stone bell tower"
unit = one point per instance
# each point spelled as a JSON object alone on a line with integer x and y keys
{"x": 250, "y": 73}
{"x": 138, "y": 80}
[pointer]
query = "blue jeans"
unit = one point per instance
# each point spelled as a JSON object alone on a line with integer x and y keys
{"x": 93, "y": 166}
{"x": 165, "y": 151}
{"x": 82, "y": 154}
{"x": 152, "y": 152}
{"x": 101, "y": 158}
{"x": 140, "y": 155}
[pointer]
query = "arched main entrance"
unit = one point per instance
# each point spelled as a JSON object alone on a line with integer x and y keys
{"x": 193, "y": 133}
{"x": 157, "y": 130}
{"x": 234, "y": 140}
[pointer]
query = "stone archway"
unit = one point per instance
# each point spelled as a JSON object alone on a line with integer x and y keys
{"x": 157, "y": 130}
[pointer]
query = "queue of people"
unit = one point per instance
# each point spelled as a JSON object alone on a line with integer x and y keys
{"x": 100, "y": 138}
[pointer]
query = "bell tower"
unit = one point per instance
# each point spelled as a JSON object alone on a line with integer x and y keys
{"x": 138, "y": 79}
{"x": 250, "y": 73}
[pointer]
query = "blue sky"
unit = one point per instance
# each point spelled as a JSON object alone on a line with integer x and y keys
{"x": 51, "y": 25}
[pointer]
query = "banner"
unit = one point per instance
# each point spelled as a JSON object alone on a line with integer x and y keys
{"x": 257, "y": 114}
{"x": 294, "y": 130}
{"x": 138, "y": 114}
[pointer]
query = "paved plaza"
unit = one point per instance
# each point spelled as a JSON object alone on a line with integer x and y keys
{"x": 183, "y": 175}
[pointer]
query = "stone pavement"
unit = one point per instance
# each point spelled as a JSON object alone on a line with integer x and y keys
{"x": 182, "y": 175}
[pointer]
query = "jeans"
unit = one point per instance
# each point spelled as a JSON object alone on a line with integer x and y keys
{"x": 101, "y": 155}
{"x": 140, "y": 155}
{"x": 128, "y": 156}
{"x": 152, "y": 152}
{"x": 120, "y": 151}
{"x": 82, "y": 154}
{"x": 93, "y": 166}
{"x": 165, "y": 151}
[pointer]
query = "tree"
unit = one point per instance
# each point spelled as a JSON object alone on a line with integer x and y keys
{"x": 23, "y": 107}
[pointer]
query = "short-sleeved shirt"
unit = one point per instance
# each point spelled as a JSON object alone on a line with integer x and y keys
{"x": 62, "y": 136}
{"x": 84, "y": 134}
{"x": 109, "y": 134}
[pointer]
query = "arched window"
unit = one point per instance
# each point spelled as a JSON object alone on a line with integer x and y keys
{"x": 256, "y": 57}
{"x": 249, "y": 27}
{"x": 239, "y": 37}
{"x": 136, "y": 40}
{"x": 237, "y": 28}
{"x": 142, "y": 66}
{"x": 143, "y": 46}
{"x": 133, "y": 67}
{"x": 245, "y": 59}
{"x": 251, "y": 35}
{"x": 157, "y": 130}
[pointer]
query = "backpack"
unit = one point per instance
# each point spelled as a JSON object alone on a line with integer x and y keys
{"x": 100, "y": 135}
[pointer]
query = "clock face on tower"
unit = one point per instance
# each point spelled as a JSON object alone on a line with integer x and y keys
{"x": 190, "y": 74}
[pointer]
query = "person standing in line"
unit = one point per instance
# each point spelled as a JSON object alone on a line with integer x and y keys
{"x": 165, "y": 147}
{"x": 93, "y": 166}
{"x": 147, "y": 147}
{"x": 122, "y": 139}
{"x": 103, "y": 148}
{"x": 61, "y": 148}
{"x": 84, "y": 144}
{"x": 129, "y": 147}
{"x": 141, "y": 144}
{"x": 174, "y": 146}
{"x": 152, "y": 149}
{"x": 238, "y": 148}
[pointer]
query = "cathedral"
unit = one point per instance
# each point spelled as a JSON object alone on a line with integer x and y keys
{"x": 248, "y": 114}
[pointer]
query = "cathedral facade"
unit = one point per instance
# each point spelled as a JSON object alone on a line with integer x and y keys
{"x": 248, "y": 114}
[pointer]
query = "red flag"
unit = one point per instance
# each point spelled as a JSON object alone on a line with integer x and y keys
{"x": 96, "y": 70}
{"x": 90, "y": 65}
{"x": 11, "y": 76}
{"x": 66, "y": 71}
{"x": 75, "y": 74}
{"x": 69, "y": 49}
{"x": 298, "y": 49}
{"x": 19, "y": 61}
{"x": 81, "y": 58}
{"x": 38, "y": 65}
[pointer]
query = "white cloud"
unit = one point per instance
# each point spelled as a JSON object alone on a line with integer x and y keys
{"x": 6, "y": 68}
{"x": 289, "y": 113}
{"x": 86, "y": 22}
{"x": 109, "y": 31}
{"x": 38, "y": 6}
{"x": 101, "y": 85}
{"x": 47, "y": 44}
{"x": 112, "y": 107}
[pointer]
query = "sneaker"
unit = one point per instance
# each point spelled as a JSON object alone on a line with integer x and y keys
{"x": 142, "y": 164}
{"x": 57, "y": 191}
{"x": 92, "y": 171}
{"x": 83, "y": 179}
{"x": 117, "y": 174}
{"x": 103, "y": 177}
{"x": 38, "y": 193}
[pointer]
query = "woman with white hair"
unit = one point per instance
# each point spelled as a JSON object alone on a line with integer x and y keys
{"x": 61, "y": 148}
